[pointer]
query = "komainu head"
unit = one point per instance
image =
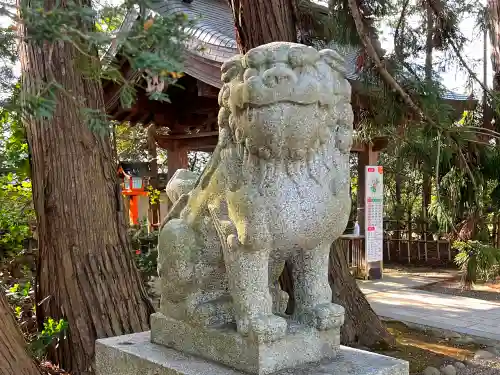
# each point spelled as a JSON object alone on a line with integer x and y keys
{"x": 285, "y": 100}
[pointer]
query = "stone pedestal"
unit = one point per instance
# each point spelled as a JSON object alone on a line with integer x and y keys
{"x": 136, "y": 355}
{"x": 222, "y": 344}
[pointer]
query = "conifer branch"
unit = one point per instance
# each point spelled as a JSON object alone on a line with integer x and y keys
{"x": 372, "y": 53}
{"x": 392, "y": 83}
{"x": 398, "y": 49}
{"x": 439, "y": 14}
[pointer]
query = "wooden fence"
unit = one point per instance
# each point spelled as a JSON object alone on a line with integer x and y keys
{"x": 399, "y": 248}
{"x": 418, "y": 251}
{"x": 354, "y": 250}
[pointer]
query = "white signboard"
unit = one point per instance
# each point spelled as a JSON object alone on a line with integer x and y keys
{"x": 374, "y": 213}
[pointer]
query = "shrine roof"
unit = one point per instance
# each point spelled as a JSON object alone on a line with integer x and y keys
{"x": 213, "y": 40}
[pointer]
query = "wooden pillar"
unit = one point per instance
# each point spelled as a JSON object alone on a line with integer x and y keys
{"x": 134, "y": 209}
{"x": 373, "y": 270}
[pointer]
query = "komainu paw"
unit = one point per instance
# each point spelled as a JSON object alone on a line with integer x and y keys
{"x": 328, "y": 316}
{"x": 267, "y": 328}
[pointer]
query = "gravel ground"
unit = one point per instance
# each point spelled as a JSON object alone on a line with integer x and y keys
{"x": 481, "y": 367}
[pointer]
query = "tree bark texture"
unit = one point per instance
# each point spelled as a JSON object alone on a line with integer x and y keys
{"x": 494, "y": 28}
{"x": 426, "y": 185}
{"x": 263, "y": 21}
{"x": 260, "y": 22}
{"x": 14, "y": 359}
{"x": 86, "y": 273}
{"x": 362, "y": 326}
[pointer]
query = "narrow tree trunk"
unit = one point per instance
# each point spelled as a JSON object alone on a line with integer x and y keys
{"x": 14, "y": 359}
{"x": 493, "y": 17}
{"x": 86, "y": 273}
{"x": 259, "y": 22}
{"x": 493, "y": 24}
{"x": 399, "y": 208}
{"x": 426, "y": 186}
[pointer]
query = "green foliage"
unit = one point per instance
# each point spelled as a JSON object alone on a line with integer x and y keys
{"x": 97, "y": 121}
{"x": 52, "y": 333}
{"x": 41, "y": 105}
{"x": 441, "y": 213}
{"x": 144, "y": 247}
{"x": 476, "y": 261}
{"x": 13, "y": 145}
{"x": 153, "y": 194}
{"x": 152, "y": 46}
{"x": 21, "y": 298}
{"x": 131, "y": 142}
{"x": 110, "y": 18}
{"x": 16, "y": 214}
{"x": 18, "y": 294}
{"x": 16, "y": 209}
{"x": 8, "y": 57}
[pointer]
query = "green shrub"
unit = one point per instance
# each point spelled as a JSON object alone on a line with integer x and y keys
{"x": 52, "y": 333}
{"x": 476, "y": 261}
{"x": 144, "y": 247}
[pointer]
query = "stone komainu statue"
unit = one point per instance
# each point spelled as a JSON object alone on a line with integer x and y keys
{"x": 276, "y": 189}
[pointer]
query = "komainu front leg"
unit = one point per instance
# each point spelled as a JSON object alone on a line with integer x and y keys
{"x": 247, "y": 272}
{"x": 313, "y": 295}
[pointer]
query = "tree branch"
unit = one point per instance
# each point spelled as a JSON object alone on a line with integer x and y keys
{"x": 392, "y": 83}
{"x": 439, "y": 13}
{"x": 398, "y": 48}
{"x": 372, "y": 53}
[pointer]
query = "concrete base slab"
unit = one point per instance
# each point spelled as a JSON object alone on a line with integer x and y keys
{"x": 222, "y": 344}
{"x": 136, "y": 355}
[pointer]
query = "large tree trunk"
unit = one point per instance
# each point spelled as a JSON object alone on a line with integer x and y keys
{"x": 86, "y": 273}
{"x": 14, "y": 359}
{"x": 362, "y": 326}
{"x": 259, "y": 22}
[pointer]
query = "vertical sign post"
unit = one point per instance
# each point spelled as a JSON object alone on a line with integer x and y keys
{"x": 374, "y": 220}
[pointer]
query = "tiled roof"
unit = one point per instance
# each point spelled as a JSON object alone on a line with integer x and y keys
{"x": 214, "y": 40}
